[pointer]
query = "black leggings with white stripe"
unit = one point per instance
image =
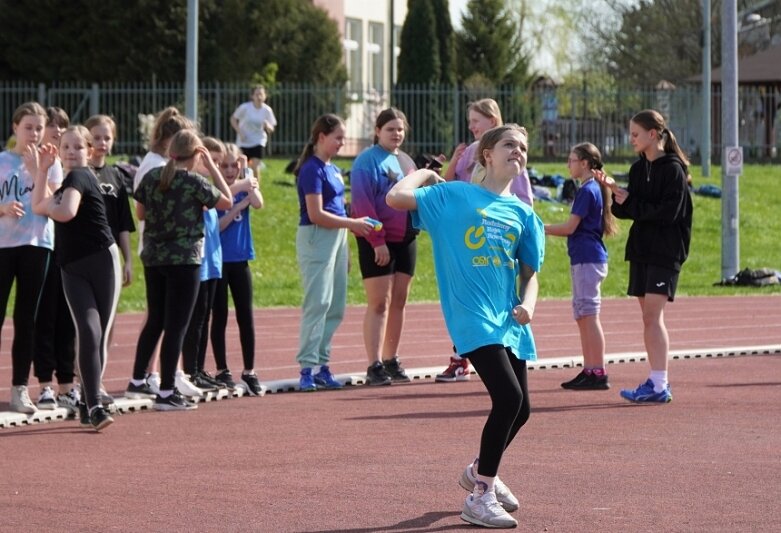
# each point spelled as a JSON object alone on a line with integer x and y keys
{"x": 91, "y": 286}
{"x": 504, "y": 375}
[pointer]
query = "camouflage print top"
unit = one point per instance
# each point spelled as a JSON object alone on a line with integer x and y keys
{"x": 173, "y": 231}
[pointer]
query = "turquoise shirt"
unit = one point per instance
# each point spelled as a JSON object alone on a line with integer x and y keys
{"x": 479, "y": 239}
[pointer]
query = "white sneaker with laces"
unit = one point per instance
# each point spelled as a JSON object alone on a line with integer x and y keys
{"x": 485, "y": 510}
{"x": 185, "y": 386}
{"x": 153, "y": 380}
{"x": 71, "y": 399}
{"x": 504, "y": 495}
{"x": 20, "y": 400}
{"x": 47, "y": 399}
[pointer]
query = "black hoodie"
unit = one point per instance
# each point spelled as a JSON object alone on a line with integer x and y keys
{"x": 660, "y": 205}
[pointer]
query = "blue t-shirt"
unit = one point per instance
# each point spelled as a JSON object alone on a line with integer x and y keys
{"x": 236, "y": 238}
{"x": 211, "y": 266}
{"x": 585, "y": 244}
{"x": 479, "y": 238}
{"x": 325, "y": 179}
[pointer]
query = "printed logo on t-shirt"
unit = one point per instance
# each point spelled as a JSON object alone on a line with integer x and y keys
{"x": 494, "y": 235}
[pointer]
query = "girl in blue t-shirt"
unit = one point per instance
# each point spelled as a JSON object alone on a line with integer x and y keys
{"x": 321, "y": 249}
{"x": 589, "y": 220}
{"x": 237, "y": 251}
{"x": 484, "y": 238}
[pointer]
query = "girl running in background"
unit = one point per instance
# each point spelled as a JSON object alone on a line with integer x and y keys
{"x": 254, "y": 121}
{"x": 387, "y": 256}
{"x": 26, "y": 242}
{"x": 171, "y": 201}
{"x": 484, "y": 239}
{"x": 237, "y": 251}
{"x": 322, "y": 251}
{"x": 88, "y": 259}
{"x": 659, "y": 204}
{"x": 589, "y": 220}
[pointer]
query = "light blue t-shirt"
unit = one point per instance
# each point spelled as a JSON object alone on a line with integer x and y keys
{"x": 211, "y": 266}
{"x": 479, "y": 238}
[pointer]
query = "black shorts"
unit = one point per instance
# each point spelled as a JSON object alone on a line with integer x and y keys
{"x": 403, "y": 256}
{"x": 253, "y": 152}
{"x": 651, "y": 279}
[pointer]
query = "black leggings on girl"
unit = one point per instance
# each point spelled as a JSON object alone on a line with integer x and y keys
{"x": 91, "y": 286}
{"x": 197, "y": 336}
{"x": 170, "y": 296}
{"x": 504, "y": 375}
{"x": 238, "y": 277}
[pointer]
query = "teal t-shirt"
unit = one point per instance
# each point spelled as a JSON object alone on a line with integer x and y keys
{"x": 479, "y": 239}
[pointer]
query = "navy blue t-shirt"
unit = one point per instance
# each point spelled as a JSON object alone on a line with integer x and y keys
{"x": 325, "y": 179}
{"x": 585, "y": 244}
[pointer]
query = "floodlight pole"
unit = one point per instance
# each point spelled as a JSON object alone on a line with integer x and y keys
{"x": 705, "y": 145}
{"x": 730, "y": 243}
{"x": 191, "y": 69}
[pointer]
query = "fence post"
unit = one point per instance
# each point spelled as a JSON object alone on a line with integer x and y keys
{"x": 456, "y": 117}
{"x": 218, "y": 110}
{"x": 42, "y": 93}
{"x": 94, "y": 100}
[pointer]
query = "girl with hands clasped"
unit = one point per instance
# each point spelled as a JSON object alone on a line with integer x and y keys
{"x": 88, "y": 258}
{"x": 322, "y": 251}
{"x": 658, "y": 202}
{"x": 589, "y": 220}
{"x": 484, "y": 238}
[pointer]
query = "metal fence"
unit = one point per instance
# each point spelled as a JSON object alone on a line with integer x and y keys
{"x": 556, "y": 118}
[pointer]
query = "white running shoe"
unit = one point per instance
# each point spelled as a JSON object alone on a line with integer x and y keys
{"x": 504, "y": 495}
{"x": 153, "y": 380}
{"x": 20, "y": 400}
{"x": 485, "y": 511}
{"x": 185, "y": 386}
{"x": 47, "y": 399}
{"x": 71, "y": 399}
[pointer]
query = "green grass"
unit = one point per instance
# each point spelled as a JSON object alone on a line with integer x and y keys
{"x": 276, "y": 276}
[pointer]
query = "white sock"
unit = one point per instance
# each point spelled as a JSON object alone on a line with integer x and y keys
{"x": 166, "y": 393}
{"x": 659, "y": 378}
{"x": 137, "y": 382}
{"x": 483, "y": 484}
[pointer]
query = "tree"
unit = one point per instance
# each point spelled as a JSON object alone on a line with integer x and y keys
{"x": 419, "y": 56}
{"x": 490, "y": 45}
{"x": 446, "y": 41}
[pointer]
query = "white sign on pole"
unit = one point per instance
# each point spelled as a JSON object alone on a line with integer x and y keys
{"x": 734, "y": 161}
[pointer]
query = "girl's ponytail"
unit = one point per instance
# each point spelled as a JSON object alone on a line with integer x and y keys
{"x": 325, "y": 125}
{"x": 609, "y": 224}
{"x": 167, "y": 175}
{"x": 306, "y": 153}
{"x": 671, "y": 146}
{"x": 182, "y": 148}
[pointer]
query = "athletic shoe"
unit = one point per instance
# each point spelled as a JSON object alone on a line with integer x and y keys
{"x": 306, "y": 383}
{"x": 174, "y": 402}
{"x": 140, "y": 392}
{"x": 226, "y": 378}
{"x": 504, "y": 495}
{"x": 457, "y": 370}
{"x": 588, "y": 381}
{"x": 200, "y": 381}
{"x": 326, "y": 380}
{"x": 100, "y": 419}
{"x": 153, "y": 380}
{"x": 46, "y": 399}
{"x": 485, "y": 510}
{"x": 645, "y": 394}
{"x": 20, "y": 400}
{"x": 204, "y": 375}
{"x": 106, "y": 400}
{"x": 84, "y": 418}
{"x": 395, "y": 371}
{"x": 185, "y": 386}
{"x": 376, "y": 375}
{"x": 252, "y": 383}
{"x": 71, "y": 399}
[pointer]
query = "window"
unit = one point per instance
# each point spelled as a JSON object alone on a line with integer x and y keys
{"x": 376, "y": 55}
{"x": 353, "y": 49}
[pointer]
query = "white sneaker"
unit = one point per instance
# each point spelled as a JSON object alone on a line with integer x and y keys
{"x": 485, "y": 511}
{"x": 185, "y": 386}
{"x": 47, "y": 399}
{"x": 20, "y": 400}
{"x": 153, "y": 380}
{"x": 71, "y": 399}
{"x": 504, "y": 495}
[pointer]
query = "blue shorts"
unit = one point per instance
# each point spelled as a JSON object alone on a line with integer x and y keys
{"x": 586, "y": 284}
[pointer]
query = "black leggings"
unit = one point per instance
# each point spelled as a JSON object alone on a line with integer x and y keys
{"x": 197, "y": 336}
{"x": 91, "y": 286}
{"x": 504, "y": 375}
{"x": 170, "y": 296}
{"x": 27, "y": 265}
{"x": 238, "y": 277}
{"x": 55, "y": 336}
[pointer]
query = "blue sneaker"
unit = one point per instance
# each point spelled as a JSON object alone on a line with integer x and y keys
{"x": 645, "y": 394}
{"x": 306, "y": 383}
{"x": 325, "y": 379}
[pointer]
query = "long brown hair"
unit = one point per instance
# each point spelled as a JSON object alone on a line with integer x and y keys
{"x": 325, "y": 124}
{"x": 182, "y": 148}
{"x": 167, "y": 123}
{"x": 590, "y": 153}
{"x": 652, "y": 120}
{"x": 385, "y": 116}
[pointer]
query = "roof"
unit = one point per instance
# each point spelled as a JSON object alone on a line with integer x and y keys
{"x": 762, "y": 68}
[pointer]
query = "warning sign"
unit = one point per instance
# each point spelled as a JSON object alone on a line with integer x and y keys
{"x": 734, "y": 161}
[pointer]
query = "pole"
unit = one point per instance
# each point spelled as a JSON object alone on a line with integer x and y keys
{"x": 730, "y": 244}
{"x": 191, "y": 76}
{"x": 392, "y": 47}
{"x": 705, "y": 144}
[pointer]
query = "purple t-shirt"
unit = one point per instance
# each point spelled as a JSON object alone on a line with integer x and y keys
{"x": 585, "y": 244}
{"x": 325, "y": 179}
